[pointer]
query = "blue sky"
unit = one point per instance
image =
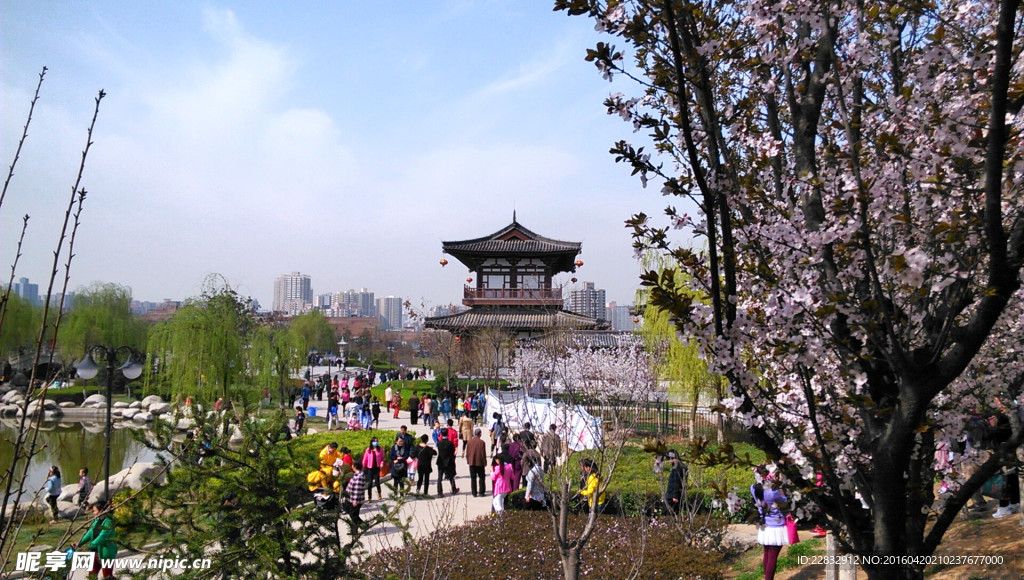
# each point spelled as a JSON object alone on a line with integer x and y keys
{"x": 343, "y": 140}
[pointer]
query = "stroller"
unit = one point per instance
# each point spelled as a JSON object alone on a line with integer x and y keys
{"x": 325, "y": 499}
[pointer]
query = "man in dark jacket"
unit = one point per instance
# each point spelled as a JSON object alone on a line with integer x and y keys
{"x": 675, "y": 493}
{"x": 423, "y": 455}
{"x": 445, "y": 462}
{"x": 476, "y": 457}
{"x": 414, "y": 408}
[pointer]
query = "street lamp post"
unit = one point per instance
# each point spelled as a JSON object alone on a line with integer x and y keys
{"x": 88, "y": 369}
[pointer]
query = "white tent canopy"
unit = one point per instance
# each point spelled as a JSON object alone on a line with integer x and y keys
{"x": 578, "y": 429}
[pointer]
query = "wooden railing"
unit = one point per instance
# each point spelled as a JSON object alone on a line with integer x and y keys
{"x": 511, "y": 296}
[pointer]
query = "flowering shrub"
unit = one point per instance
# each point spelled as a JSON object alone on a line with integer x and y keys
{"x": 519, "y": 545}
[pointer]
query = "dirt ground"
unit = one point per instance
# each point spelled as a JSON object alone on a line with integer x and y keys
{"x": 980, "y": 535}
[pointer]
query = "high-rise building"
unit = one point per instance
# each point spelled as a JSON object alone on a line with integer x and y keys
{"x": 324, "y": 301}
{"x": 389, "y": 312}
{"x": 358, "y": 303}
{"x": 620, "y": 317}
{"x": 293, "y": 293}
{"x": 27, "y": 291}
{"x": 588, "y": 302}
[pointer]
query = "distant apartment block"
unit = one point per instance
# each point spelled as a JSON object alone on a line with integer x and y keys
{"x": 389, "y": 311}
{"x": 27, "y": 291}
{"x": 293, "y": 293}
{"x": 354, "y": 303}
{"x": 588, "y": 302}
{"x": 620, "y": 317}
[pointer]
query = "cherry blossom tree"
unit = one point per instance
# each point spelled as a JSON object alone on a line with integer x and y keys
{"x": 587, "y": 372}
{"x": 855, "y": 169}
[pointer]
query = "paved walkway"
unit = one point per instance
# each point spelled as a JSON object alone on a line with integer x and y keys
{"x": 427, "y": 513}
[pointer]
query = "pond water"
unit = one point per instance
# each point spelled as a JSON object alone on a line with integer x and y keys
{"x": 71, "y": 446}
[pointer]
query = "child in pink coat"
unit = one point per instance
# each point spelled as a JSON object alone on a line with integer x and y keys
{"x": 501, "y": 476}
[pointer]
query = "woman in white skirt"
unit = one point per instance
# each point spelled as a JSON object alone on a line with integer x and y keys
{"x": 771, "y": 533}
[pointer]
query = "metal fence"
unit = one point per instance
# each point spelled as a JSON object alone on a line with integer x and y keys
{"x": 663, "y": 418}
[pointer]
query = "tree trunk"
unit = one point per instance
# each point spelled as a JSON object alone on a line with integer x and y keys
{"x": 571, "y": 563}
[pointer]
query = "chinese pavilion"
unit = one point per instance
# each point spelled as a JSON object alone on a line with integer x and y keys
{"x": 513, "y": 289}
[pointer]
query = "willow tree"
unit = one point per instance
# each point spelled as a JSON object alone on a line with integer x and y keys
{"x": 856, "y": 173}
{"x": 312, "y": 331}
{"x": 681, "y": 365}
{"x": 20, "y": 326}
{"x": 275, "y": 353}
{"x": 101, "y": 315}
{"x": 204, "y": 348}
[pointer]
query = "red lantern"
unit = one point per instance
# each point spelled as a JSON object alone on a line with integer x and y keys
{"x": 468, "y": 280}
{"x": 573, "y": 279}
{"x": 443, "y": 262}
{"x": 578, "y": 263}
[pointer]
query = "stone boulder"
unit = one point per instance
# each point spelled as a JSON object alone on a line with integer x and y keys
{"x": 134, "y": 477}
{"x": 66, "y": 404}
{"x": 10, "y": 410}
{"x": 130, "y": 413}
{"x": 135, "y": 405}
{"x": 37, "y": 406}
{"x": 185, "y": 424}
{"x": 96, "y": 400}
{"x": 151, "y": 400}
{"x": 53, "y": 415}
{"x": 69, "y": 492}
{"x": 142, "y": 417}
{"x": 10, "y": 395}
{"x": 160, "y": 408}
{"x": 120, "y": 405}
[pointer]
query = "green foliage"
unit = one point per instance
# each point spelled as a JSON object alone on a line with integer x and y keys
{"x": 511, "y": 546}
{"x": 101, "y": 315}
{"x": 245, "y": 506}
{"x": 20, "y": 324}
{"x": 203, "y": 349}
{"x": 306, "y": 449}
{"x": 275, "y": 352}
{"x": 311, "y": 330}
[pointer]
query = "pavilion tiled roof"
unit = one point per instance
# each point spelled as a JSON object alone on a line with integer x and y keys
{"x": 513, "y": 238}
{"x": 512, "y": 318}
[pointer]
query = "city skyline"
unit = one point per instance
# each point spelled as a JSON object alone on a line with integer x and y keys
{"x": 252, "y": 139}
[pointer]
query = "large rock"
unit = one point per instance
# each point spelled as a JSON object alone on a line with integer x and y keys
{"x": 120, "y": 405}
{"x": 130, "y": 413}
{"x": 135, "y": 405}
{"x": 36, "y": 406}
{"x": 160, "y": 408}
{"x": 10, "y": 395}
{"x": 66, "y": 404}
{"x": 96, "y": 400}
{"x": 53, "y": 415}
{"x": 69, "y": 492}
{"x": 151, "y": 400}
{"x": 134, "y": 477}
{"x": 10, "y": 410}
{"x": 142, "y": 417}
{"x": 185, "y": 424}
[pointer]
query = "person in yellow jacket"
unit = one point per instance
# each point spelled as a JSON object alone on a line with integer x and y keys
{"x": 328, "y": 455}
{"x": 319, "y": 480}
{"x": 591, "y": 483}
